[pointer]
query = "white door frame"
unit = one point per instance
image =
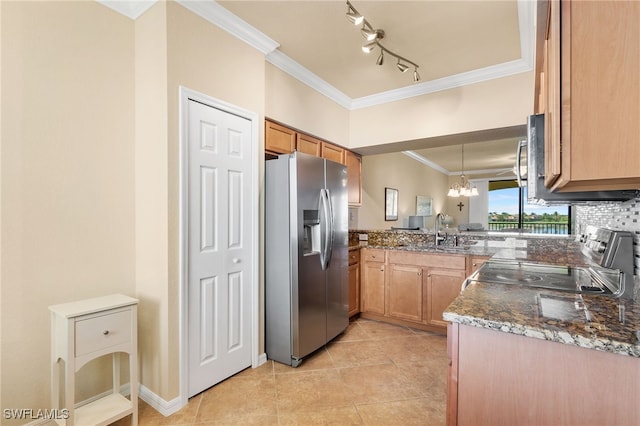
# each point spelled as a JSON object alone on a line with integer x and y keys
{"x": 185, "y": 95}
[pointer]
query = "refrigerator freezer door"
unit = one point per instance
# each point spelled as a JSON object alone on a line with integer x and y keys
{"x": 308, "y": 290}
{"x": 337, "y": 268}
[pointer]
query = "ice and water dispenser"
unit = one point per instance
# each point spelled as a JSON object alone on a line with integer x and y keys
{"x": 311, "y": 237}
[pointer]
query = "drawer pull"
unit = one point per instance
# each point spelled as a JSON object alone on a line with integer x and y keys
{"x": 106, "y": 332}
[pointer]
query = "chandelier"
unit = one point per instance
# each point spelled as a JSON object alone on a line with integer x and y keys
{"x": 373, "y": 37}
{"x": 463, "y": 188}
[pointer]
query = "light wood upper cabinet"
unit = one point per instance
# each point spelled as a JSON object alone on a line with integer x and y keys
{"x": 278, "y": 139}
{"x": 354, "y": 178}
{"x": 308, "y": 144}
{"x": 589, "y": 91}
{"x": 333, "y": 152}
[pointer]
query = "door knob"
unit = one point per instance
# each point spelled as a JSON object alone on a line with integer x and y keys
{"x": 236, "y": 260}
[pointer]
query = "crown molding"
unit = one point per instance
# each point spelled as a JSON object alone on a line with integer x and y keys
{"x": 426, "y": 162}
{"x": 132, "y": 9}
{"x": 294, "y": 69}
{"x": 214, "y": 13}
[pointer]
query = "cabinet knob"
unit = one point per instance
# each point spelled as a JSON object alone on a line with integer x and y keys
{"x": 106, "y": 332}
{"x": 382, "y": 268}
{"x": 419, "y": 273}
{"x": 236, "y": 260}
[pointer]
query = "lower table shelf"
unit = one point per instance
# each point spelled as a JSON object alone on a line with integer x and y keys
{"x": 102, "y": 411}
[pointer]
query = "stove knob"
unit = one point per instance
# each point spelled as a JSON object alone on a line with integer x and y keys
{"x": 602, "y": 247}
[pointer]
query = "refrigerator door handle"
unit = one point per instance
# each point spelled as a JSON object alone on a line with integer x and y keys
{"x": 326, "y": 228}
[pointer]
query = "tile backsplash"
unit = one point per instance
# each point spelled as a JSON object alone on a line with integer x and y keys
{"x": 622, "y": 216}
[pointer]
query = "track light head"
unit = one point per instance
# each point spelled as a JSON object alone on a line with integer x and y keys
{"x": 416, "y": 76}
{"x": 353, "y": 16}
{"x": 380, "y": 58}
{"x": 402, "y": 67}
{"x": 367, "y": 48}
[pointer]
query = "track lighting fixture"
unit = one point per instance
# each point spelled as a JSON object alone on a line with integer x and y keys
{"x": 353, "y": 16}
{"x": 373, "y": 37}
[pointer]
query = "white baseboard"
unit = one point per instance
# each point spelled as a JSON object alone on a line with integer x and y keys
{"x": 166, "y": 408}
{"x": 262, "y": 358}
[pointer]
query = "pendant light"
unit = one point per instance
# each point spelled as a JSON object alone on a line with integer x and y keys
{"x": 463, "y": 188}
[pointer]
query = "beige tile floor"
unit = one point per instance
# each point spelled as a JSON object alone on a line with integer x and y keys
{"x": 373, "y": 374}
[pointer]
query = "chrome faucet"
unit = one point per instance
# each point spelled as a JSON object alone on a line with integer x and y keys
{"x": 439, "y": 238}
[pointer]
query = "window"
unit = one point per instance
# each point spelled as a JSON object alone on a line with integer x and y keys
{"x": 509, "y": 211}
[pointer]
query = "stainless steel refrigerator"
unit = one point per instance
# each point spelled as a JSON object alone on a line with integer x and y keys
{"x": 306, "y": 255}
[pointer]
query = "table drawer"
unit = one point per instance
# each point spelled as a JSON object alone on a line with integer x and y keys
{"x": 100, "y": 332}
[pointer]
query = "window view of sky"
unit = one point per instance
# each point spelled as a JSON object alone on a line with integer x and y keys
{"x": 506, "y": 201}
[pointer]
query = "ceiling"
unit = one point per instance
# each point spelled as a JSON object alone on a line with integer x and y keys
{"x": 454, "y": 43}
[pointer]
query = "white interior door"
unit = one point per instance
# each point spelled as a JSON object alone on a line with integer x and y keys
{"x": 219, "y": 245}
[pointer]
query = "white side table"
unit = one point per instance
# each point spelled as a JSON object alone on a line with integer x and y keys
{"x": 85, "y": 330}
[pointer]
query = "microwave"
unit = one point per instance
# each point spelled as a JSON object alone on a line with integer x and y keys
{"x": 530, "y": 172}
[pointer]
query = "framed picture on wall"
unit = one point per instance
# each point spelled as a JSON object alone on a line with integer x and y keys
{"x": 390, "y": 204}
{"x": 423, "y": 206}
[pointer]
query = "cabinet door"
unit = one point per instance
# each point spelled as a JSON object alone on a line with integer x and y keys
{"x": 354, "y": 178}
{"x": 354, "y": 289}
{"x": 552, "y": 144}
{"x": 279, "y": 139}
{"x": 308, "y": 144}
{"x": 443, "y": 285}
{"x": 333, "y": 152}
{"x": 405, "y": 292}
{"x": 475, "y": 263}
{"x": 593, "y": 102}
{"x": 372, "y": 287}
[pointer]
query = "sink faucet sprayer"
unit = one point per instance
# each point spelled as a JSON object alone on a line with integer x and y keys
{"x": 439, "y": 239}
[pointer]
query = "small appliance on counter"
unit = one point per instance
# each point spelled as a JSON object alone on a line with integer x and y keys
{"x": 610, "y": 271}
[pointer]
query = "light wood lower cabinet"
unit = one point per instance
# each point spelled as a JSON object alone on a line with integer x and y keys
{"x": 442, "y": 286}
{"x": 410, "y": 288}
{"x": 475, "y": 262}
{"x": 405, "y": 292}
{"x": 354, "y": 282}
{"x": 372, "y": 283}
{"x": 498, "y": 378}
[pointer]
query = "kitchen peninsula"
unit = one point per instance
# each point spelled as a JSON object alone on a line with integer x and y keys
{"x": 521, "y": 354}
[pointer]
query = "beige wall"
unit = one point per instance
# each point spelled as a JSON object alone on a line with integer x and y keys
{"x": 206, "y": 59}
{"x": 68, "y": 200}
{"x": 157, "y": 372}
{"x": 297, "y": 105}
{"x": 410, "y": 177}
{"x": 491, "y": 104}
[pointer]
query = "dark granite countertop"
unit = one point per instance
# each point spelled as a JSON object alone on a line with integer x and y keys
{"x": 589, "y": 321}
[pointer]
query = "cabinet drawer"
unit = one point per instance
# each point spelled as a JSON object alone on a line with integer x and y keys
{"x": 429, "y": 260}
{"x": 373, "y": 255}
{"x": 354, "y": 256}
{"x": 100, "y": 332}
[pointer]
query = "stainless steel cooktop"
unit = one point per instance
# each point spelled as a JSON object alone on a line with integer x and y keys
{"x": 610, "y": 270}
